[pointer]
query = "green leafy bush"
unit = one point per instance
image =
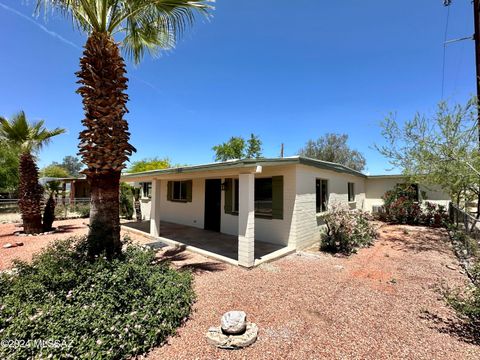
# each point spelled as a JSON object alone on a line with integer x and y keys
{"x": 466, "y": 302}
{"x": 126, "y": 203}
{"x": 401, "y": 205}
{"x": 91, "y": 308}
{"x": 347, "y": 230}
{"x": 82, "y": 209}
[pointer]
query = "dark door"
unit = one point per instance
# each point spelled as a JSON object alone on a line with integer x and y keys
{"x": 213, "y": 196}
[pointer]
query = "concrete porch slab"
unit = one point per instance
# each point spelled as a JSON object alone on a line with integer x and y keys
{"x": 207, "y": 243}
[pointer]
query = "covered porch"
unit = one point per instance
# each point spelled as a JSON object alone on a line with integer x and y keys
{"x": 213, "y": 210}
{"x": 205, "y": 242}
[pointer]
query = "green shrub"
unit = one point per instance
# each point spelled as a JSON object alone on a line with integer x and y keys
{"x": 93, "y": 308}
{"x": 401, "y": 205}
{"x": 82, "y": 209}
{"x": 467, "y": 243}
{"x": 347, "y": 230}
{"x": 126, "y": 203}
{"x": 466, "y": 302}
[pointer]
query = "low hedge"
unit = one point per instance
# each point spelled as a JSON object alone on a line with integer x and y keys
{"x": 64, "y": 305}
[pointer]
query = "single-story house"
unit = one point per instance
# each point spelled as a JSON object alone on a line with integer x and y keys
{"x": 260, "y": 202}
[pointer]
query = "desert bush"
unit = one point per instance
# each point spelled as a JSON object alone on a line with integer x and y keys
{"x": 434, "y": 215}
{"x": 82, "y": 209}
{"x": 90, "y": 308}
{"x": 466, "y": 302}
{"x": 347, "y": 230}
{"x": 401, "y": 205}
{"x": 126, "y": 203}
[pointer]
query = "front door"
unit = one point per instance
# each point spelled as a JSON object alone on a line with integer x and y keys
{"x": 213, "y": 197}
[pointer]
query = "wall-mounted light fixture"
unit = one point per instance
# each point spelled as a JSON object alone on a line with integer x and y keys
{"x": 224, "y": 186}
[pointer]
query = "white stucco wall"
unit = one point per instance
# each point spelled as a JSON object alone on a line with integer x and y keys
{"x": 377, "y": 187}
{"x": 307, "y": 224}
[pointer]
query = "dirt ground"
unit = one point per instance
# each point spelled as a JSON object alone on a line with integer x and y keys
{"x": 33, "y": 244}
{"x": 382, "y": 303}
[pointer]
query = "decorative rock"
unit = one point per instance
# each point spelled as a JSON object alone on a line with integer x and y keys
{"x": 8, "y": 246}
{"x": 216, "y": 337}
{"x": 234, "y": 322}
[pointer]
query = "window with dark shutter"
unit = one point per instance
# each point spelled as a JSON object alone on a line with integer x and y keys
{"x": 321, "y": 191}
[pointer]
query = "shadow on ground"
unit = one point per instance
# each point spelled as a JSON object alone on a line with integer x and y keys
{"x": 418, "y": 240}
{"x": 179, "y": 254}
{"x": 462, "y": 330}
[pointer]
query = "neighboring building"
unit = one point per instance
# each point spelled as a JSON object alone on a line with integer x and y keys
{"x": 277, "y": 201}
{"x": 76, "y": 188}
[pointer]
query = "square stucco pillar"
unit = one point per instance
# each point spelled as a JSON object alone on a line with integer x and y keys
{"x": 155, "y": 209}
{"x": 246, "y": 220}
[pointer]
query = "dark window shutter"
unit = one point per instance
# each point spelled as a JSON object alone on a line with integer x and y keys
{"x": 189, "y": 190}
{"x": 169, "y": 190}
{"x": 228, "y": 195}
{"x": 277, "y": 197}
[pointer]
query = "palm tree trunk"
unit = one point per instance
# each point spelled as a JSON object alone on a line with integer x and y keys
{"x": 104, "y": 145}
{"x": 30, "y": 194}
{"x": 104, "y": 235}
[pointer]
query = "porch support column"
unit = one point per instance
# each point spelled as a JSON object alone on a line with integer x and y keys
{"x": 155, "y": 208}
{"x": 246, "y": 220}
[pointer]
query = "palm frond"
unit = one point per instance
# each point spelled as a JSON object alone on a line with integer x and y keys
{"x": 146, "y": 25}
{"x": 18, "y": 132}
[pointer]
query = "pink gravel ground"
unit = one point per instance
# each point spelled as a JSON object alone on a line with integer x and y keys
{"x": 311, "y": 305}
{"x": 33, "y": 244}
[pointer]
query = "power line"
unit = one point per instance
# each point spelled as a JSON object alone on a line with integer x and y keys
{"x": 446, "y": 3}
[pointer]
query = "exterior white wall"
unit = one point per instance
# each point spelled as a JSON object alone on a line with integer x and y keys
{"x": 307, "y": 223}
{"x": 184, "y": 213}
{"x": 275, "y": 231}
{"x": 377, "y": 187}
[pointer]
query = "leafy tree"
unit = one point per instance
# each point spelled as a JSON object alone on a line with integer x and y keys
{"x": 254, "y": 147}
{"x": 238, "y": 148}
{"x": 54, "y": 171}
{"x": 71, "y": 164}
{"x": 334, "y": 148}
{"x": 149, "y": 164}
{"x": 9, "y": 162}
{"x": 28, "y": 138}
{"x": 140, "y": 26}
{"x": 438, "y": 150}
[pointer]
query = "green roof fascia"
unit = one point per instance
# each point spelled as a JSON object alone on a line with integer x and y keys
{"x": 248, "y": 163}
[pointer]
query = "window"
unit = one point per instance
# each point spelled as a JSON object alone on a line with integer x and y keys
{"x": 180, "y": 191}
{"x": 147, "y": 190}
{"x": 351, "y": 192}
{"x": 268, "y": 197}
{"x": 263, "y": 197}
{"x": 321, "y": 194}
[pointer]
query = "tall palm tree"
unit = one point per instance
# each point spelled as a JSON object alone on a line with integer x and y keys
{"x": 28, "y": 138}
{"x": 142, "y": 26}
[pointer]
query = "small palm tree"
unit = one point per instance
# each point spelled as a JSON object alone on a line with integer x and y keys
{"x": 142, "y": 25}
{"x": 28, "y": 138}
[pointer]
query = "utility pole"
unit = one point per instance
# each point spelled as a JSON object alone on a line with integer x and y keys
{"x": 476, "y": 38}
{"x": 281, "y": 151}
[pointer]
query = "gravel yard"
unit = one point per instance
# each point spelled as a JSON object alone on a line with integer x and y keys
{"x": 381, "y": 303}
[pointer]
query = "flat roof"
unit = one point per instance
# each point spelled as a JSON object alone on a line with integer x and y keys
{"x": 241, "y": 163}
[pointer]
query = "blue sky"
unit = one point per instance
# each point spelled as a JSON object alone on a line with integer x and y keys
{"x": 287, "y": 71}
